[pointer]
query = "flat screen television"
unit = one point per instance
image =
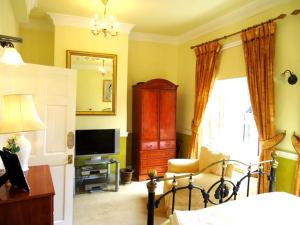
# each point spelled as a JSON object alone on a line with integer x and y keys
{"x": 97, "y": 142}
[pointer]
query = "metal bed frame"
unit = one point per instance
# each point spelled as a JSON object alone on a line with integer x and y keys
{"x": 221, "y": 194}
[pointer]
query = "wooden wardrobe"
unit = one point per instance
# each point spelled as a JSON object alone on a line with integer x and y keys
{"x": 153, "y": 126}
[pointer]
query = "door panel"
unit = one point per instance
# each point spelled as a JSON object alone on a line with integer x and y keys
{"x": 56, "y": 117}
{"x": 149, "y": 129}
{"x": 53, "y": 90}
{"x": 167, "y": 112}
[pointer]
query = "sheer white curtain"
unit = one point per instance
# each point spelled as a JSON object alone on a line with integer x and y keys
{"x": 228, "y": 125}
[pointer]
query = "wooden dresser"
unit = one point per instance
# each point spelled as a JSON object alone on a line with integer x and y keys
{"x": 153, "y": 126}
{"x": 32, "y": 208}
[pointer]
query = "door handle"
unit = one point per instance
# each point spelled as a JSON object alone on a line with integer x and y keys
{"x": 70, "y": 140}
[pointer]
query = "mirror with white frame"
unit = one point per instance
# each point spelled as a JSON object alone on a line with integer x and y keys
{"x": 96, "y": 82}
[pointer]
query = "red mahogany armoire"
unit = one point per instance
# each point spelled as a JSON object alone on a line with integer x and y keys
{"x": 153, "y": 126}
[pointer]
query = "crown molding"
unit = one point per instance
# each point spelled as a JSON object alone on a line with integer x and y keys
{"x": 31, "y": 4}
{"x": 166, "y": 39}
{"x": 83, "y": 22}
{"x": 238, "y": 15}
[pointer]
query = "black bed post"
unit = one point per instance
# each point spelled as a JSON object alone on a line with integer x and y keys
{"x": 272, "y": 176}
{"x": 151, "y": 185}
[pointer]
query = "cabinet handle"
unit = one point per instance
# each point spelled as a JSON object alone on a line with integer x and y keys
{"x": 148, "y": 146}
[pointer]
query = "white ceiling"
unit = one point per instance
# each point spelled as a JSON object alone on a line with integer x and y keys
{"x": 164, "y": 17}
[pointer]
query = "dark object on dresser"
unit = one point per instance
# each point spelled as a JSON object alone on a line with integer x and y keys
{"x": 154, "y": 126}
{"x": 14, "y": 172}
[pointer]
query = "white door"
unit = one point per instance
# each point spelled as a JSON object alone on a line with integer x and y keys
{"x": 53, "y": 90}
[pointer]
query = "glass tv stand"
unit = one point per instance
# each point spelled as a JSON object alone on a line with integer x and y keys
{"x": 95, "y": 175}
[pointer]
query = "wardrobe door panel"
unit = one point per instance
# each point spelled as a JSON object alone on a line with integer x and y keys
{"x": 167, "y": 113}
{"x": 149, "y": 105}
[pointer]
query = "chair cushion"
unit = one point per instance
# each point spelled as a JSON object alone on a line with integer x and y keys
{"x": 183, "y": 165}
{"x": 207, "y": 157}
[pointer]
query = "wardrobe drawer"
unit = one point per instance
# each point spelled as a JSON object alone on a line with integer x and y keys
{"x": 153, "y": 162}
{"x": 149, "y": 145}
{"x": 167, "y": 144}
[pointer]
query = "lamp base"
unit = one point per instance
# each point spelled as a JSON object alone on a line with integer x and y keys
{"x": 25, "y": 149}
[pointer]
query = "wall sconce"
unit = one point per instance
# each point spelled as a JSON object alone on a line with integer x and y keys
{"x": 292, "y": 78}
{"x": 286, "y": 76}
{"x": 10, "y": 55}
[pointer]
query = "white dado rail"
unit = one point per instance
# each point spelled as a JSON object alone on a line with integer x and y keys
{"x": 287, "y": 155}
{"x": 123, "y": 133}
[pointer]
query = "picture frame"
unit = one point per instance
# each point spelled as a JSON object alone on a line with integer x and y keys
{"x": 107, "y": 90}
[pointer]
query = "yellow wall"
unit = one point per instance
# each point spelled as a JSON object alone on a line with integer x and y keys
{"x": 81, "y": 39}
{"x": 72, "y": 38}
{"x": 37, "y": 46}
{"x": 93, "y": 86}
{"x": 148, "y": 60}
{"x": 232, "y": 65}
{"x": 8, "y": 23}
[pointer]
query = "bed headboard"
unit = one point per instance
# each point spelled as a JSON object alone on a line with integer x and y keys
{"x": 218, "y": 190}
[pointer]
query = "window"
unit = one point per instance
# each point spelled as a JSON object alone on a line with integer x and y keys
{"x": 228, "y": 124}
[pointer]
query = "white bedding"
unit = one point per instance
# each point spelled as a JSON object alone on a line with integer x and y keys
{"x": 276, "y": 208}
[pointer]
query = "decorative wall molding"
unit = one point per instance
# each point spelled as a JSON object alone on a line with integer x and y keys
{"x": 287, "y": 155}
{"x": 166, "y": 39}
{"x": 83, "y": 22}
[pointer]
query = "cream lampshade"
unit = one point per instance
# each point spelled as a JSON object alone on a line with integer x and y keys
{"x": 19, "y": 116}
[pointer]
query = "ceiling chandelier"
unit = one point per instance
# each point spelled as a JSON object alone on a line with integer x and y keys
{"x": 107, "y": 25}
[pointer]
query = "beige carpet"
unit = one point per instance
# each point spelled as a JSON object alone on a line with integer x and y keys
{"x": 126, "y": 207}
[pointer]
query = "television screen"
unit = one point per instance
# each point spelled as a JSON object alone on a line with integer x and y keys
{"x": 97, "y": 142}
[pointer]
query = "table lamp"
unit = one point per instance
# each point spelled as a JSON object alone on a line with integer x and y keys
{"x": 19, "y": 115}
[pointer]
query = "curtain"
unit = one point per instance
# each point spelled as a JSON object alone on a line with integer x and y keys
{"x": 259, "y": 52}
{"x": 296, "y": 144}
{"x": 207, "y": 58}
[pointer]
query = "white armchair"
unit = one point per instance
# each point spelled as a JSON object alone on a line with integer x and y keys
{"x": 206, "y": 179}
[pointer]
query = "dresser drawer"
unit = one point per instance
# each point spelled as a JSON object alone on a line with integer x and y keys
{"x": 159, "y": 169}
{"x": 153, "y": 162}
{"x": 149, "y": 145}
{"x": 167, "y": 144}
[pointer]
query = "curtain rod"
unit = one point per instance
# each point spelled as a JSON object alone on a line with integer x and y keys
{"x": 281, "y": 16}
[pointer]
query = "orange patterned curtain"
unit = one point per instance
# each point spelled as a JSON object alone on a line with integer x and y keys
{"x": 296, "y": 144}
{"x": 259, "y": 51}
{"x": 207, "y": 56}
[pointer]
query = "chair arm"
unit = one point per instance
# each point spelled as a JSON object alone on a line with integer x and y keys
{"x": 183, "y": 165}
{"x": 229, "y": 170}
